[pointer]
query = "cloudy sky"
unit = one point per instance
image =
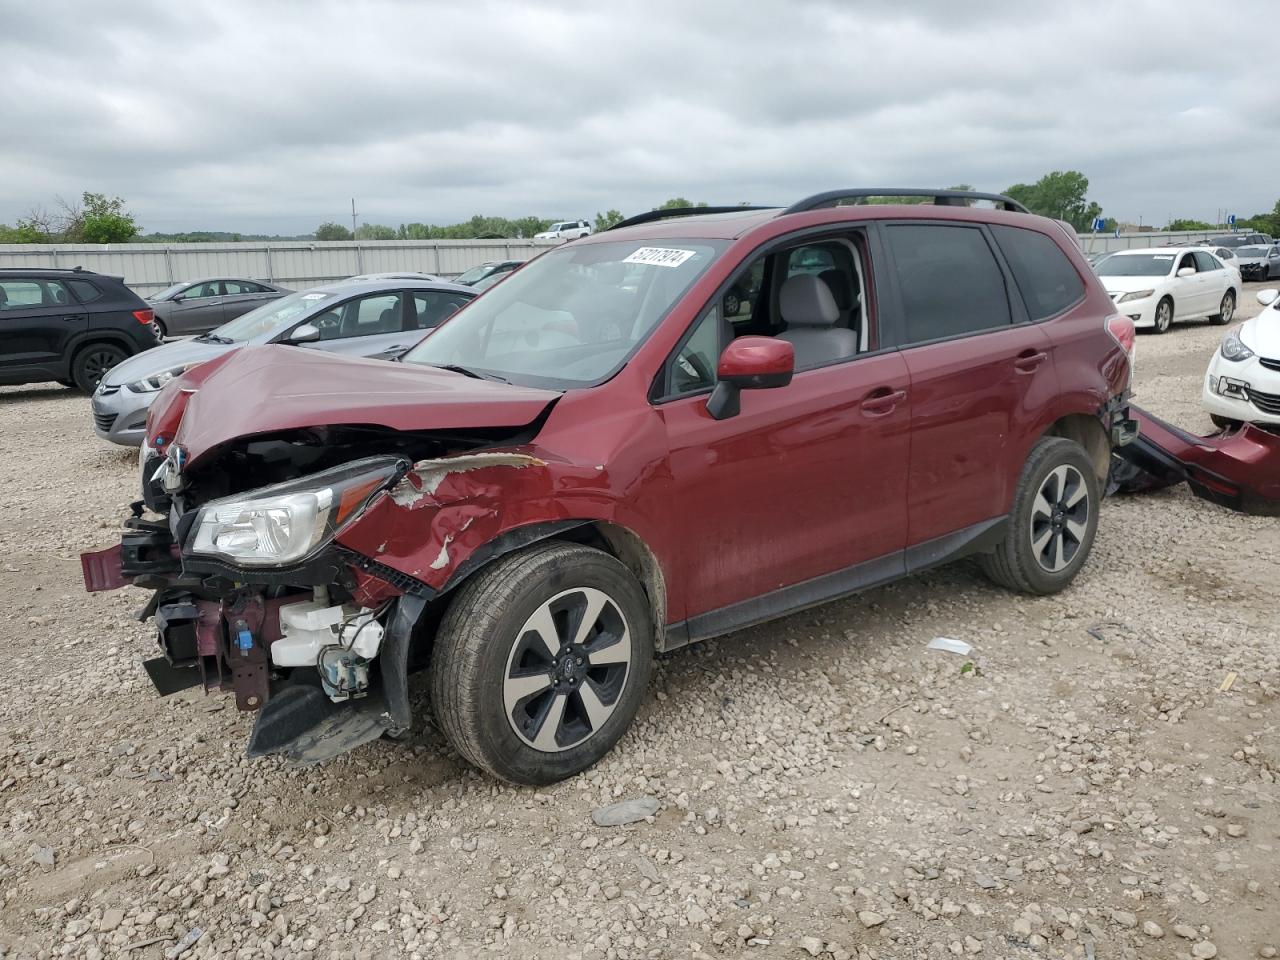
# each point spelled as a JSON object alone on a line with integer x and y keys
{"x": 268, "y": 116}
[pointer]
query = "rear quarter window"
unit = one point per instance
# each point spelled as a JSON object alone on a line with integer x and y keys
{"x": 85, "y": 291}
{"x": 1045, "y": 277}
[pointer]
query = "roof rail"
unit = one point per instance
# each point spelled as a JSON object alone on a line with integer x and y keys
{"x": 663, "y": 214}
{"x": 45, "y": 269}
{"x": 941, "y": 198}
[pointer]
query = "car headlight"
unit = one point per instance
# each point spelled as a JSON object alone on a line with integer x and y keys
{"x": 1136, "y": 295}
{"x": 1233, "y": 348}
{"x": 287, "y": 522}
{"x": 156, "y": 381}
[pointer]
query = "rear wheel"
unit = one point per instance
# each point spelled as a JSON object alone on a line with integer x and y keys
{"x": 541, "y": 662}
{"x": 161, "y": 332}
{"x": 1164, "y": 315}
{"x": 1223, "y": 423}
{"x": 1226, "y": 309}
{"x": 91, "y": 364}
{"x": 1053, "y": 522}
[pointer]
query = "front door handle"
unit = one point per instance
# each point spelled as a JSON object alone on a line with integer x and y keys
{"x": 75, "y": 318}
{"x": 1029, "y": 361}
{"x": 882, "y": 400}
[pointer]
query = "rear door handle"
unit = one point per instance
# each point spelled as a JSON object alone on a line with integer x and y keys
{"x": 882, "y": 400}
{"x": 1029, "y": 362}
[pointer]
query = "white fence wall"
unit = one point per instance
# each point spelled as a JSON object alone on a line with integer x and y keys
{"x": 149, "y": 267}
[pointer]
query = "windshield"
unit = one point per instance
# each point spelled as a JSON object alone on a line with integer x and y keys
{"x": 270, "y": 316}
{"x": 1135, "y": 265}
{"x": 1247, "y": 252}
{"x": 571, "y": 317}
{"x": 474, "y": 274}
{"x": 168, "y": 292}
{"x": 1230, "y": 241}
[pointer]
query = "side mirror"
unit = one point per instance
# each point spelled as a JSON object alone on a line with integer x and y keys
{"x": 1268, "y": 296}
{"x": 1186, "y": 272}
{"x": 750, "y": 363}
{"x": 304, "y": 333}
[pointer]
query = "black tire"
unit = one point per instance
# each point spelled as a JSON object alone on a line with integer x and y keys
{"x": 92, "y": 362}
{"x": 1224, "y": 423}
{"x": 485, "y": 646}
{"x": 1226, "y": 309}
{"x": 68, "y": 383}
{"x": 1164, "y": 315}
{"x": 1018, "y": 563}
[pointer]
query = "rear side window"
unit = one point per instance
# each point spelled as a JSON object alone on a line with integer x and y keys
{"x": 1205, "y": 262}
{"x": 1044, "y": 275}
{"x": 85, "y": 291}
{"x": 950, "y": 281}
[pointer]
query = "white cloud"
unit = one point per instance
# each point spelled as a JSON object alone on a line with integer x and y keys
{"x": 268, "y": 117}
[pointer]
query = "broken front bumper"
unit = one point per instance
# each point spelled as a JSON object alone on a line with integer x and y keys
{"x": 1238, "y": 468}
{"x": 215, "y": 631}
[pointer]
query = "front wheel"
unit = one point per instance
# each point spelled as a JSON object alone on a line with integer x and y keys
{"x": 1224, "y": 423}
{"x": 541, "y": 662}
{"x": 1226, "y": 309}
{"x": 1164, "y": 315}
{"x": 1053, "y": 522}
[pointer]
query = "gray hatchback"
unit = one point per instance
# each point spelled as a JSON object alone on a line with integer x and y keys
{"x": 197, "y": 306}
{"x": 360, "y": 319}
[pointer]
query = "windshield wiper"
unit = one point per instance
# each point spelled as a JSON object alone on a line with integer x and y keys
{"x": 213, "y": 338}
{"x": 467, "y": 372}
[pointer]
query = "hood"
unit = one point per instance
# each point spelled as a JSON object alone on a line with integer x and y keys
{"x": 544, "y": 235}
{"x": 167, "y": 356}
{"x": 1129, "y": 284}
{"x": 1262, "y": 333}
{"x": 271, "y": 388}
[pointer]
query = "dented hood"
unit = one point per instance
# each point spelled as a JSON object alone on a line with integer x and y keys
{"x": 271, "y": 388}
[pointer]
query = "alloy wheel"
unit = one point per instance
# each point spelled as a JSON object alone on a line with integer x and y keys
{"x": 1059, "y": 518}
{"x": 1227, "y": 309}
{"x": 97, "y": 363}
{"x": 1164, "y": 316}
{"x": 567, "y": 670}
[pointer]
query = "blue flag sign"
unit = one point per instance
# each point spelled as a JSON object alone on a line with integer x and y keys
{"x": 1231, "y": 220}
{"x": 1099, "y": 224}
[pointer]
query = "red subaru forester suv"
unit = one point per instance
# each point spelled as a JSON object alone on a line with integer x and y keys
{"x": 597, "y": 461}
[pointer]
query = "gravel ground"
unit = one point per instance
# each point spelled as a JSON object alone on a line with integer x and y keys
{"x": 1081, "y": 786}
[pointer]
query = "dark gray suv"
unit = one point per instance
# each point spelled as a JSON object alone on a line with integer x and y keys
{"x": 71, "y": 326}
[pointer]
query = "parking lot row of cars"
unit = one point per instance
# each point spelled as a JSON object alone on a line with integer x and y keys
{"x": 75, "y": 326}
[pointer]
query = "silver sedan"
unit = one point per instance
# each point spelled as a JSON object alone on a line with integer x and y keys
{"x": 360, "y": 319}
{"x": 197, "y": 306}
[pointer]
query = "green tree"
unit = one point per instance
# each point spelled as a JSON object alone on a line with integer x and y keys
{"x": 102, "y": 220}
{"x": 332, "y": 231}
{"x": 1188, "y": 225}
{"x": 675, "y": 203}
{"x": 375, "y": 231}
{"x": 1268, "y": 223}
{"x": 1060, "y": 195}
{"x": 610, "y": 218}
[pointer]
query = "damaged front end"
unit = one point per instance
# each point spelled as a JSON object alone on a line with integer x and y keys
{"x": 1237, "y": 467}
{"x": 257, "y": 594}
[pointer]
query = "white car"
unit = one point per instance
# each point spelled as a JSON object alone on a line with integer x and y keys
{"x": 1242, "y": 383}
{"x": 566, "y": 230}
{"x": 1155, "y": 286}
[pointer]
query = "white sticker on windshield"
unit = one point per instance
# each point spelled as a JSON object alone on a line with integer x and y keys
{"x": 660, "y": 256}
{"x": 314, "y": 296}
{"x": 1163, "y": 256}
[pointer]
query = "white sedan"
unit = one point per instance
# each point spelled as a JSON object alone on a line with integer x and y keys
{"x": 1153, "y": 287}
{"x": 1242, "y": 383}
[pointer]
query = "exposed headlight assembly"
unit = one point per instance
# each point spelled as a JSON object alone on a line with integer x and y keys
{"x": 1136, "y": 295}
{"x": 285, "y": 523}
{"x": 156, "y": 381}
{"x": 1233, "y": 347}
